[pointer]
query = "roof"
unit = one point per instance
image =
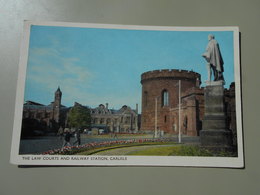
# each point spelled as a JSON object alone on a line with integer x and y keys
{"x": 33, "y": 103}
{"x": 38, "y": 107}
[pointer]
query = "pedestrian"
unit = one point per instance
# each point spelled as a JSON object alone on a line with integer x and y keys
{"x": 60, "y": 133}
{"x": 67, "y": 136}
{"x": 77, "y": 136}
{"x": 115, "y": 136}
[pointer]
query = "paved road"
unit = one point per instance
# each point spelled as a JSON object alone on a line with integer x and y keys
{"x": 42, "y": 144}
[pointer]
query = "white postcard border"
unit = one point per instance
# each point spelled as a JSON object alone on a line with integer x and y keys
{"x": 15, "y": 158}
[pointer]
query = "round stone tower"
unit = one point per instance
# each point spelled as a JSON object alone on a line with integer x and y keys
{"x": 160, "y": 97}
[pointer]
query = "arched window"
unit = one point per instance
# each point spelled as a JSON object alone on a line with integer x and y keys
{"x": 165, "y": 98}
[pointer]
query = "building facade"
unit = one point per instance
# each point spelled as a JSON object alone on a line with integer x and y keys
{"x": 123, "y": 120}
{"x": 173, "y": 100}
{"x": 44, "y": 117}
{"x": 51, "y": 117}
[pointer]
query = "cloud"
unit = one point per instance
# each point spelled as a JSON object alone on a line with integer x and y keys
{"x": 48, "y": 68}
{"x": 36, "y": 52}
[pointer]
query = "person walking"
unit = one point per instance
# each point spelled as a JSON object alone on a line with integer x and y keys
{"x": 77, "y": 136}
{"x": 60, "y": 133}
{"x": 67, "y": 136}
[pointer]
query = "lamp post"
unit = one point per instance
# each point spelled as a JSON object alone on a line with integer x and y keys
{"x": 155, "y": 125}
{"x": 179, "y": 111}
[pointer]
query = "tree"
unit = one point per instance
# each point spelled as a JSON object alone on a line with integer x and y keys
{"x": 79, "y": 116}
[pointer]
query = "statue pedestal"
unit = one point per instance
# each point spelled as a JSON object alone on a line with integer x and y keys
{"x": 214, "y": 134}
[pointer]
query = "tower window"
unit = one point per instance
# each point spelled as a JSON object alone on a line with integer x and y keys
{"x": 165, "y": 98}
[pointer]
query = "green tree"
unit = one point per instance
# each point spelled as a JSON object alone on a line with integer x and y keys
{"x": 79, "y": 117}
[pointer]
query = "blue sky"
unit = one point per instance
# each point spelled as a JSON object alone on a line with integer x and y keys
{"x": 94, "y": 66}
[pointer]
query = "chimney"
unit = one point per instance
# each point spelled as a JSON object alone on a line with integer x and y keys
{"x": 136, "y": 108}
{"x": 106, "y": 105}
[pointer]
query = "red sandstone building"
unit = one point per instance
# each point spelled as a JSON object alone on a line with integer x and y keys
{"x": 161, "y": 92}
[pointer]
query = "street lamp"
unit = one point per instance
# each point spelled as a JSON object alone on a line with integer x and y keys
{"x": 155, "y": 125}
{"x": 179, "y": 129}
{"x": 179, "y": 111}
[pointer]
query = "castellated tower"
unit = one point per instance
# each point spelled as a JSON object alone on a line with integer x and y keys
{"x": 160, "y": 100}
{"x": 57, "y": 105}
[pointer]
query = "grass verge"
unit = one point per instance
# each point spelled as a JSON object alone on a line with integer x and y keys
{"x": 180, "y": 150}
{"x": 96, "y": 150}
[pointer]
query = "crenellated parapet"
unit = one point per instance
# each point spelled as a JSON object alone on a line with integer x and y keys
{"x": 172, "y": 74}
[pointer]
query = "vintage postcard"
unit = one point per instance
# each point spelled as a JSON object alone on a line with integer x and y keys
{"x": 121, "y": 95}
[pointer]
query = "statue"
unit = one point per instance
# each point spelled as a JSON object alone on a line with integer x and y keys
{"x": 214, "y": 59}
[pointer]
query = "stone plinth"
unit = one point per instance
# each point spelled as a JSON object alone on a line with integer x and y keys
{"x": 214, "y": 133}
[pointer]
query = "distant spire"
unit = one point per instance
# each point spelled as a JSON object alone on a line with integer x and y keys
{"x": 58, "y": 92}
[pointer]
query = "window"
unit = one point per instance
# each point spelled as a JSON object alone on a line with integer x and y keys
{"x": 127, "y": 120}
{"x": 165, "y": 98}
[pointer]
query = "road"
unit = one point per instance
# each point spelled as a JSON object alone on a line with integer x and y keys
{"x": 45, "y": 143}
